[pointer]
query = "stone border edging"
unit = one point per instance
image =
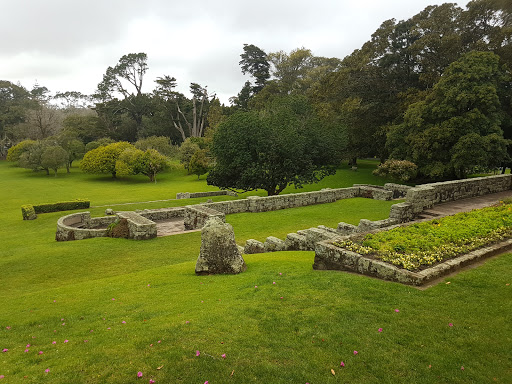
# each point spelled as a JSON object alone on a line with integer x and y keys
{"x": 330, "y": 257}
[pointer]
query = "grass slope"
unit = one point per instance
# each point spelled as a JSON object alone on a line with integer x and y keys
{"x": 293, "y": 331}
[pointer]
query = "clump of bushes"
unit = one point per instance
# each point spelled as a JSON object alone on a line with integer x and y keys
{"x": 402, "y": 170}
{"x": 424, "y": 244}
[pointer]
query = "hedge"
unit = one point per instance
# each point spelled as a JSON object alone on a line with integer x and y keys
{"x": 27, "y": 210}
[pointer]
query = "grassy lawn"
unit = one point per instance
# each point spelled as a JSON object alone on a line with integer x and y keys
{"x": 294, "y": 331}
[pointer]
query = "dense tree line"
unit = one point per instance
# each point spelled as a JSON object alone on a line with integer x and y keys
{"x": 433, "y": 90}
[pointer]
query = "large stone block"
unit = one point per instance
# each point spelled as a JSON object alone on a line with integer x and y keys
{"x": 273, "y": 244}
{"x": 219, "y": 252}
{"x": 253, "y": 246}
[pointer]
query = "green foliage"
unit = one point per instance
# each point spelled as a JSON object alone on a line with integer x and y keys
{"x": 457, "y": 127}
{"x": 402, "y": 170}
{"x": 161, "y": 143}
{"x": 14, "y": 153}
{"x": 254, "y": 62}
{"x": 32, "y": 157}
{"x": 199, "y": 163}
{"x": 287, "y": 144}
{"x": 28, "y": 212}
{"x": 54, "y": 157}
{"x": 104, "y": 141}
{"x": 186, "y": 151}
{"x": 103, "y": 159}
{"x": 423, "y": 244}
{"x": 133, "y": 161}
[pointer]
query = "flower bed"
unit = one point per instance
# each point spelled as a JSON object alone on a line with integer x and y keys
{"x": 421, "y": 245}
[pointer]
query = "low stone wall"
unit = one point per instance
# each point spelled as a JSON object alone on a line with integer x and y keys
{"x": 330, "y": 257}
{"x": 79, "y": 226}
{"x": 162, "y": 213}
{"x": 140, "y": 228}
{"x": 188, "y": 195}
{"x": 196, "y": 216}
{"x": 426, "y": 195}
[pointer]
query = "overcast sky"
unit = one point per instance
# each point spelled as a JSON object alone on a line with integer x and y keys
{"x": 66, "y": 45}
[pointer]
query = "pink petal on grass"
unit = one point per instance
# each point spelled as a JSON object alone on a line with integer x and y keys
{"x": 139, "y": 374}
{"x": 28, "y": 345}
{"x": 255, "y": 286}
{"x": 124, "y": 322}
{"x": 206, "y": 382}
{"x": 2, "y": 376}
{"x": 280, "y": 274}
{"x": 159, "y": 341}
{"x": 397, "y": 310}
{"x": 7, "y": 328}
{"x": 26, "y": 350}
{"x": 41, "y": 352}
{"x": 151, "y": 381}
{"x": 380, "y": 329}
{"x": 187, "y": 322}
{"x": 223, "y": 355}
{"x": 47, "y": 370}
{"x": 54, "y": 342}
{"x": 342, "y": 364}
{"x": 273, "y": 282}
{"x": 355, "y": 352}
{"x": 450, "y": 324}
{"x": 462, "y": 368}
{"x": 65, "y": 341}
{"x": 5, "y": 350}
{"x": 198, "y": 353}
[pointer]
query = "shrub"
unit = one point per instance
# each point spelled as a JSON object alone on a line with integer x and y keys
{"x": 397, "y": 169}
{"x": 62, "y": 206}
{"x": 103, "y": 159}
{"x": 28, "y": 212}
{"x": 14, "y": 153}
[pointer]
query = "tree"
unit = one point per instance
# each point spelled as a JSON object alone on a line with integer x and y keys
{"x": 103, "y": 159}
{"x": 130, "y": 70}
{"x": 286, "y": 144}
{"x": 104, "y": 141}
{"x": 133, "y": 161}
{"x": 14, "y": 153}
{"x": 32, "y": 157}
{"x": 74, "y": 147}
{"x": 199, "y": 163}
{"x": 254, "y": 62}
{"x": 187, "y": 116}
{"x": 449, "y": 132}
{"x": 160, "y": 143}
{"x": 186, "y": 151}
{"x": 54, "y": 157}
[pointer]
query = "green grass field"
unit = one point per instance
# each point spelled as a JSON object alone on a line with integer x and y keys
{"x": 117, "y": 307}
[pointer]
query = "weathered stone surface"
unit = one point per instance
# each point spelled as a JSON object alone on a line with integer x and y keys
{"x": 296, "y": 242}
{"x": 197, "y": 215}
{"x": 273, "y": 244}
{"x": 139, "y": 227}
{"x": 328, "y": 256}
{"x": 219, "y": 252}
{"x": 346, "y": 229}
{"x": 253, "y": 246}
{"x": 109, "y": 211}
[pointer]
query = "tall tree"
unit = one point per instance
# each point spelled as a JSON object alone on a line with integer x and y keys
{"x": 458, "y": 126}
{"x": 255, "y": 63}
{"x": 125, "y": 80}
{"x": 188, "y": 116}
{"x": 287, "y": 144}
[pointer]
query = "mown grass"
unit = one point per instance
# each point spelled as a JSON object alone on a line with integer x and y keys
{"x": 293, "y": 331}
